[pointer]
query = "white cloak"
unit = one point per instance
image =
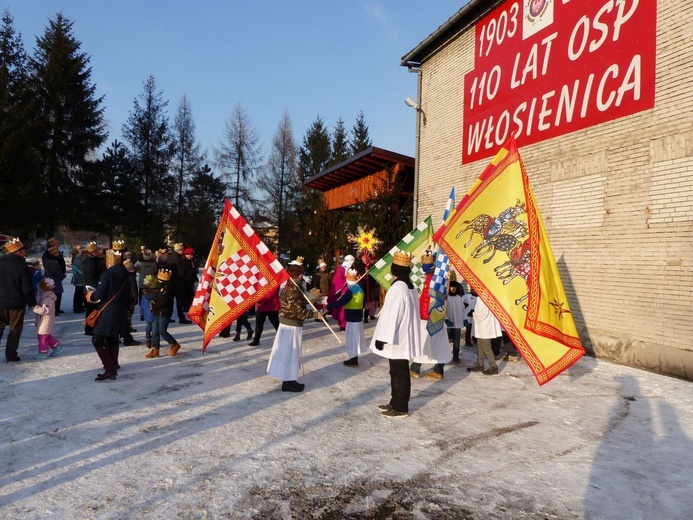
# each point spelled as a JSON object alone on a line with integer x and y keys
{"x": 486, "y": 326}
{"x": 456, "y": 312}
{"x": 436, "y": 348}
{"x": 285, "y": 357}
{"x": 355, "y": 339}
{"x": 398, "y": 324}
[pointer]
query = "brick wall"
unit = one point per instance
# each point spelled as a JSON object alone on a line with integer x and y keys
{"x": 616, "y": 199}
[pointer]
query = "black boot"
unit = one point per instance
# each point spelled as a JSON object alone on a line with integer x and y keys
{"x": 292, "y": 386}
{"x": 365, "y": 315}
{"x": 237, "y": 337}
{"x": 456, "y": 355}
{"x": 250, "y": 334}
{"x": 353, "y": 362}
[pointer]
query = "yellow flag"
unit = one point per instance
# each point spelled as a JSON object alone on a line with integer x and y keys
{"x": 497, "y": 242}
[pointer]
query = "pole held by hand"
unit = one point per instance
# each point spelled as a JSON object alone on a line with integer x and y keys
{"x": 316, "y": 310}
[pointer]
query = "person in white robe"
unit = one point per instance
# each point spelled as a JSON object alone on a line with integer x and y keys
{"x": 455, "y": 316}
{"x": 397, "y": 336}
{"x": 285, "y": 357}
{"x": 486, "y": 328}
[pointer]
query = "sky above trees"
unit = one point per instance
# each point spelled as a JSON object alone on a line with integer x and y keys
{"x": 313, "y": 58}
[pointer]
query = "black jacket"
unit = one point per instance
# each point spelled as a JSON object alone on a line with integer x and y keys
{"x": 16, "y": 289}
{"x": 162, "y": 305}
{"x": 92, "y": 269}
{"x": 114, "y": 315}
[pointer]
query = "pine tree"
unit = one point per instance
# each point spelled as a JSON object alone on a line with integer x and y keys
{"x": 70, "y": 118}
{"x": 204, "y": 197}
{"x": 316, "y": 152}
{"x": 187, "y": 159}
{"x": 151, "y": 148}
{"x": 341, "y": 148}
{"x": 18, "y": 131}
{"x": 279, "y": 182}
{"x": 360, "y": 140}
{"x": 239, "y": 155}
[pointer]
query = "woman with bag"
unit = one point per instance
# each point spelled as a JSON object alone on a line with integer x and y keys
{"x": 112, "y": 295}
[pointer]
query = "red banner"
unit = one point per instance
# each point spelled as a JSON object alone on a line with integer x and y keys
{"x": 544, "y": 68}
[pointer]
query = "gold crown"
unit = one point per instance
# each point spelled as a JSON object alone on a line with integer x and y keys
{"x": 164, "y": 275}
{"x": 427, "y": 257}
{"x": 178, "y": 247}
{"x": 118, "y": 245}
{"x": 91, "y": 247}
{"x": 402, "y": 258}
{"x": 52, "y": 241}
{"x": 14, "y": 245}
{"x": 129, "y": 265}
{"x": 113, "y": 257}
{"x": 352, "y": 275}
{"x": 453, "y": 275}
{"x": 299, "y": 260}
{"x": 321, "y": 261}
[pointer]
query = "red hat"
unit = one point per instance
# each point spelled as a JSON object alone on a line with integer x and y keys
{"x": 188, "y": 251}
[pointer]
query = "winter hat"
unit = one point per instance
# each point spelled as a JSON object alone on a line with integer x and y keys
{"x": 147, "y": 254}
{"x": 295, "y": 267}
{"x": 14, "y": 245}
{"x": 348, "y": 261}
{"x": 188, "y": 251}
{"x": 401, "y": 265}
{"x": 47, "y": 284}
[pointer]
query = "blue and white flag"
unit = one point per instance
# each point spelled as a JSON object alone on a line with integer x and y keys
{"x": 438, "y": 289}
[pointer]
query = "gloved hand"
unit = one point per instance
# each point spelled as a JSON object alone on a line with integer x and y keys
{"x": 449, "y": 323}
{"x": 379, "y": 344}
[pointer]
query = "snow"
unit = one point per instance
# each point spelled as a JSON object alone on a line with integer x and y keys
{"x": 214, "y": 437}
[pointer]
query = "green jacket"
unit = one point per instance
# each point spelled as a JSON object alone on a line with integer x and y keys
{"x": 293, "y": 306}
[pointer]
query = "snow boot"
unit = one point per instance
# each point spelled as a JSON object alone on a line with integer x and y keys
{"x": 174, "y": 349}
{"x": 154, "y": 352}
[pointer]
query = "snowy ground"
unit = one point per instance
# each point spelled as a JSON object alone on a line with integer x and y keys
{"x": 214, "y": 437}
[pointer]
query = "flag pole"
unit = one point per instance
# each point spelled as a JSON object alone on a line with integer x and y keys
{"x": 316, "y": 310}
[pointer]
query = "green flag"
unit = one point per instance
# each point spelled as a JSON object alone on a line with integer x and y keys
{"x": 415, "y": 243}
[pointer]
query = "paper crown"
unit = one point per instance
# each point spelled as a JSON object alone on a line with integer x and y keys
{"x": 164, "y": 275}
{"x": 453, "y": 276}
{"x": 14, "y": 245}
{"x": 129, "y": 265}
{"x": 321, "y": 262}
{"x": 91, "y": 247}
{"x": 52, "y": 241}
{"x": 118, "y": 245}
{"x": 178, "y": 247}
{"x": 113, "y": 257}
{"x": 352, "y": 275}
{"x": 163, "y": 251}
{"x": 427, "y": 257}
{"x": 47, "y": 284}
{"x": 298, "y": 261}
{"x": 402, "y": 258}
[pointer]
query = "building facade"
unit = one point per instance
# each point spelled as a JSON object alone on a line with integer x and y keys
{"x": 598, "y": 98}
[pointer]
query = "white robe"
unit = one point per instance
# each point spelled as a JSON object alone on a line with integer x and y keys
{"x": 436, "y": 348}
{"x": 398, "y": 324}
{"x": 486, "y": 326}
{"x": 456, "y": 312}
{"x": 285, "y": 357}
{"x": 355, "y": 339}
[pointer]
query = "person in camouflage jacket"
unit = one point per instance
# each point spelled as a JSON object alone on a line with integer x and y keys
{"x": 285, "y": 357}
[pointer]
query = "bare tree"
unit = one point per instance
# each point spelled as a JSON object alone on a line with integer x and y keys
{"x": 187, "y": 159}
{"x": 279, "y": 181}
{"x": 239, "y": 155}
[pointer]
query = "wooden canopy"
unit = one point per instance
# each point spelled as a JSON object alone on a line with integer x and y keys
{"x": 354, "y": 180}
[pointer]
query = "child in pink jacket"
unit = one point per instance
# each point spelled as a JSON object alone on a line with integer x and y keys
{"x": 45, "y": 320}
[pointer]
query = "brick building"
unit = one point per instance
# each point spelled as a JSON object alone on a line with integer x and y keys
{"x": 598, "y": 97}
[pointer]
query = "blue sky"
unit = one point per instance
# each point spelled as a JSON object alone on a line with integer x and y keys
{"x": 330, "y": 58}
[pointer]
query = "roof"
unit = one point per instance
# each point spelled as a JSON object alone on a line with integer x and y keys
{"x": 466, "y": 16}
{"x": 371, "y": 160}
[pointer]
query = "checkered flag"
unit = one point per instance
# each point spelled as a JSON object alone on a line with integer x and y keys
{"x": 439, "y": 283}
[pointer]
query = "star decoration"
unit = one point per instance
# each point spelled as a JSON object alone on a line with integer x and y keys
{"x": 558, "y": 307}
{"x": 365, "y": 241}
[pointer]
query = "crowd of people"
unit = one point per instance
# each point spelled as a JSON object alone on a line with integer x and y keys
{"x": 110, "y": 283}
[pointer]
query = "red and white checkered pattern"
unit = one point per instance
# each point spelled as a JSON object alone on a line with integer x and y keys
{"x": 238, "y": 278}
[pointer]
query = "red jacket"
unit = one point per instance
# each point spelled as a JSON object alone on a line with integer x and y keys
{"x": 425, "y": 297}
{"x": 270, "y": 302}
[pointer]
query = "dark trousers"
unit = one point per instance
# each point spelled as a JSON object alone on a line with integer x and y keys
{"x": 180, "y": 302}
{"x": 78, "y": 299}
{"x": 496, "y": 345}
{"x": 107, "y": 350}
{"x": 58, "y": 301}
{"x": 260, "y": 317}
{"x": 400, "y": 383}
{"x": 14, "y": 318}
{"x": 243, "y": 322}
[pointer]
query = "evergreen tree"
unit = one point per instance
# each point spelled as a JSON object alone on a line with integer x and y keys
{"x": 360, "y": 140}
{"x": 341, "y": 148}
{"x": 18, "y": 212}
{"x": 316, "y": 152}
{"x": 187, "y": 159}
{"x": 239, "y": 155}
{"x": 204, "y": 196}
{"x": 70, "y": 118}
{"x": 151, "y": 148}
{"x": 279, "y": 181}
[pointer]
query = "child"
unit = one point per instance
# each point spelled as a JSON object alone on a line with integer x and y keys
{"x": 150, "y": 287}
{"x": 45, "y": 320}
{"x": 162, "y": 309}
{"x": 455, "y": 318}
{"x": 352, "y": 301}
